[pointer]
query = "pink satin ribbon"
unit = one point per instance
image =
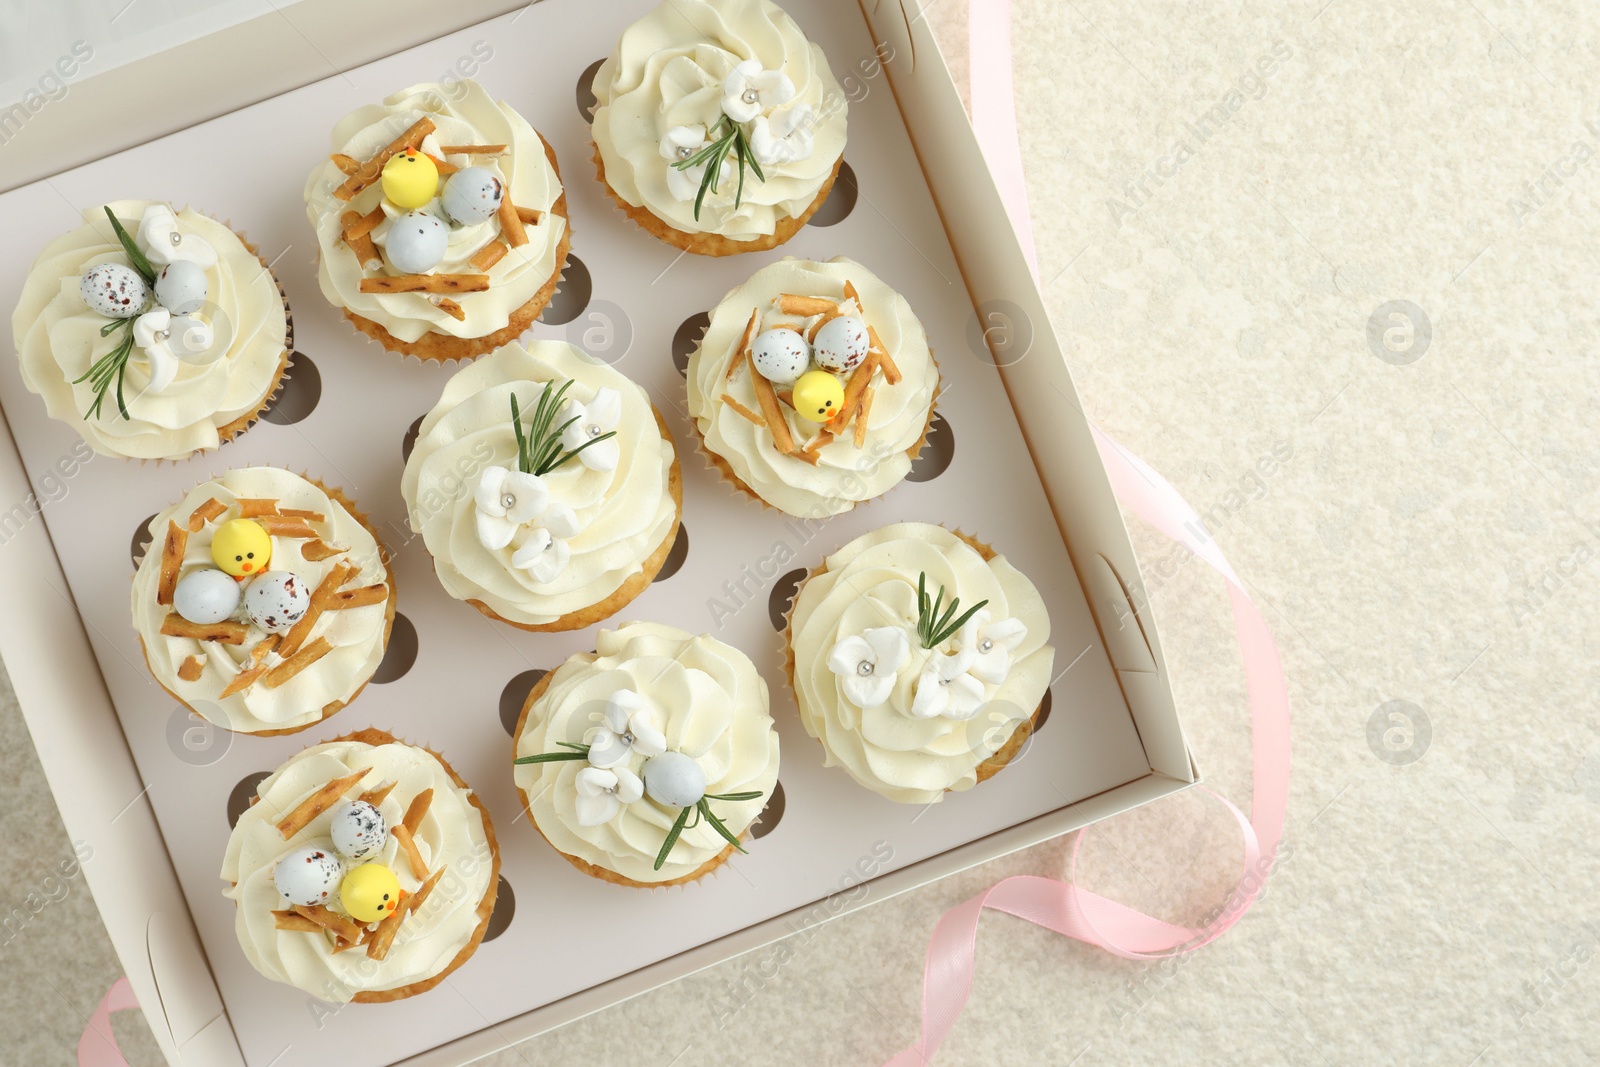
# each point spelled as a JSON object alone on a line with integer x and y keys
{"x": 98, "y": 1046}
{"x": 1060, "y": 905}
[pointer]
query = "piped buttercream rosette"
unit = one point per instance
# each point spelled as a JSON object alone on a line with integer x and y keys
{"x": 719, "y": 127}
{"x": 916, "y": 656}
{"x": 154, "y": 333}
{"x": 645, "y": 761}
{"x": 545, "y": 487}
{"x": 362, "y": 805}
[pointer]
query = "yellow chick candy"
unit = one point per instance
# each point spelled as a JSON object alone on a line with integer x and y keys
{"x": 818, "y": 396}
{"x": 410, "y": 179}
{"x": 241, "y": 548}
{"x": 370, "y": 892}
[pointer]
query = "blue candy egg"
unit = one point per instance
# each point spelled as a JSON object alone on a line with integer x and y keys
{"x": 113, "y": 290}
{"x": 471, "y": 195}
{"x": 416, "y": 242}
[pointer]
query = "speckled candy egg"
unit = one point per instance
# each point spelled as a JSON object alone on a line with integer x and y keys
{"x": 471, "y": 195}
{"x": 674, "y": 779}
{"x": 113, "y": 290}
{"x": 276, "y": 601}
{"x": 309, "y": 875}
{"x": 181, "y": 287}
{"x": 780, "y": 355}
{"x": 841, "y": 343}
{"x": 206, "y": 596}
{"x": 358, "y": 830}
{"x": 416, "y": 242}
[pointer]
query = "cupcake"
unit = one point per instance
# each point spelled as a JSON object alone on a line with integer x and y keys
{"x": 645, "y": 761}
{"x": 364, "y": 870}
{"x": 264, "y": 601}
{"x": 546, "y": 487}
{"x": 918, "y": 658}
{"x": 718, "y": 127}
{"x": 813, "y": 387}
{"x": 441, "y": 221}
{"x": 153, "y": 333}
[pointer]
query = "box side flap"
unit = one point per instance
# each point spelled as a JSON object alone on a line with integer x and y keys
{"x": 91, "y": 771}
{"x": 1012, "y": 329}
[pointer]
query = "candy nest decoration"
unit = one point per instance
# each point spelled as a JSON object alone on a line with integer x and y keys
{"x": 625, "y": 804}
{"x": 194, "y": 340}
{"x": 918, "y": 658}
{"x": 813, "y": 365}
{"x": 718, "y": 129}
{"x": 260, "y": 616}
{"x": 545, "y": 486}
{"x": 345, "y": 848}
{"x": 423, "y": 241}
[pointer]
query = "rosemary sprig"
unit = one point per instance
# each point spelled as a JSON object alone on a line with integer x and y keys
{"x": 717, "y": 824}
{"x": 577, "y": 752}
{"x": 672, "y": 836}
{"x": 539, "y": 448}
{"x": 932, "y": 627}
{"x": 108, "y": 368}
{"x": 136, "y": 257}
{"x": 731, "y": 138}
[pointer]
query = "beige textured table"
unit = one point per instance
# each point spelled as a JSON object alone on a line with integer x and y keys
{"x": 1378, "y": 260}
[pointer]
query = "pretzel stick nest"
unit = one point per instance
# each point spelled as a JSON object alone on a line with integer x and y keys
{"x": 226, "y": 632}
{"x": 511, "y": 222}
{"x": 372, "y": 169}
{"x": 203, "y": 514}
{"x": 426, "y": 283}
{"x": 408, "y": 845}
{"x": 318, "y": 802}
{"x": 173, "y": 547}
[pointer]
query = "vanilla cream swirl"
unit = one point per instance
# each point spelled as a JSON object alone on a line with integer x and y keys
{"x": 624, "y": 514}
{"x": 872, "y": 582}
{"x": 357, "y": 635}
{"x": 668, "y": 71}
{"x": 462, "y": 114}
{"x": 452, "y": 836}
{"x": 844, "y": 474}
{"x": 712, "y": 706}
{"x": 58, "y": 338}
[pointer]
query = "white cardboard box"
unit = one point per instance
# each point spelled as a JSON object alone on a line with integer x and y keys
{"x": 146, "y": 787}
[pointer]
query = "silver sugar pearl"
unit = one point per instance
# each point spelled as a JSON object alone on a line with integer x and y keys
{"x": 594, "y": 431}
{"x": 751, "y": 96}
{"x": 508, "y": 501}
{"x": 177, "y": 238}
{"x": 684, "y": 151}
{"x": 985, "y": 645}
{"x": 864, "y": 668}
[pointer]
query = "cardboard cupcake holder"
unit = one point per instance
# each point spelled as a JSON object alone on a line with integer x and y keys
{"x": 149, "y": 788}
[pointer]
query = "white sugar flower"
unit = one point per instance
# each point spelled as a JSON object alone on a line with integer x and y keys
{"x": 749, "y": 91}
{"x": 991, "y": 643}
{"x": 785, "y": 137}
{"x": 599, "y": 416}
{"x": 945, "y": 688}
{"x": 866, "y": 664}
{"x": 151, "y": 332}
{"x": 683, "y": 142}
{"x": 507, "y": 499}
{"x": 628, "y": 724}
{"x": 161, "y": 242}
{"x": 602, "y": 791}
{"x": 542, "y": 554}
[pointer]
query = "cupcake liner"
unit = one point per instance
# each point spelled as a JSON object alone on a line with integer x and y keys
{"x": 447, "y": 348}
{"x": 485, "y": 910}
{"x": 712, "y": 244}
{"x": 985, "y": 770}
{"x": 634, "y": 585}
{"x": 604, "y": 874}
{"x": 337, "y": 496}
